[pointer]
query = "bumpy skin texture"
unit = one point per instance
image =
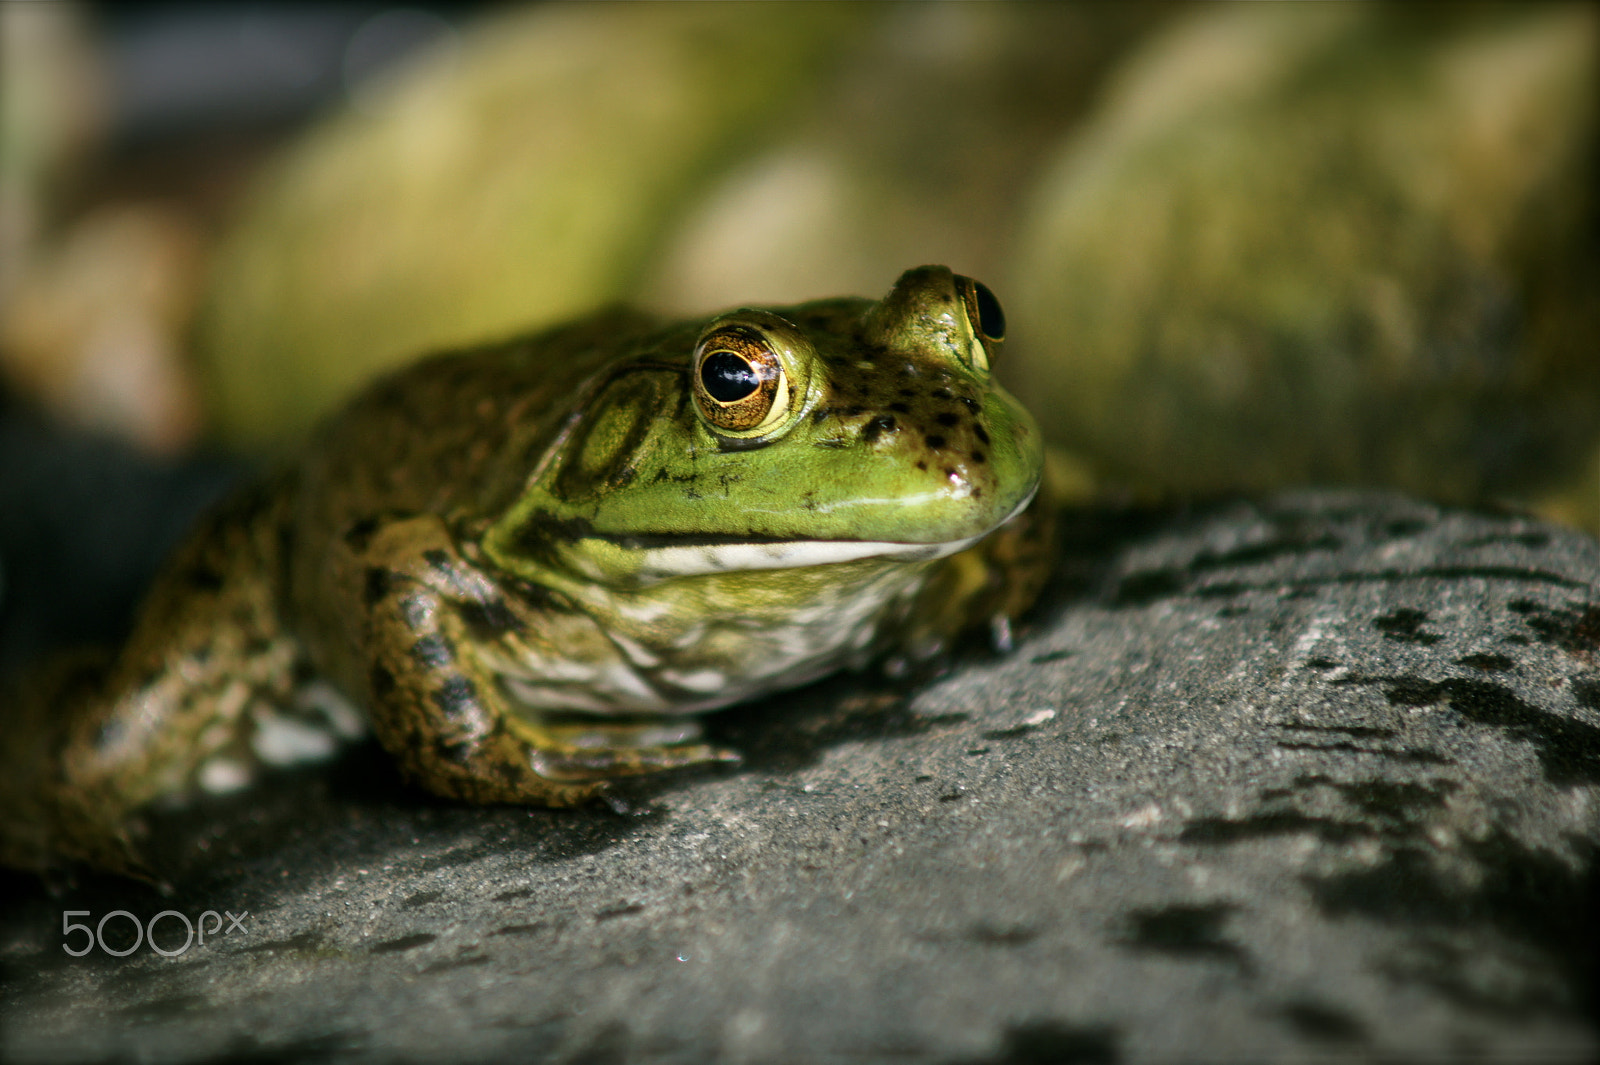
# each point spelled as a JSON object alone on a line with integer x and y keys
{"x": 529, "y": 562}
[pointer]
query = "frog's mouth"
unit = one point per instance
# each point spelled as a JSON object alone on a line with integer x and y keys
{"x": 707, "y": 555}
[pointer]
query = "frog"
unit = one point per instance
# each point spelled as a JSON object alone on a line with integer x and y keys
{"x": 531, "y": 567}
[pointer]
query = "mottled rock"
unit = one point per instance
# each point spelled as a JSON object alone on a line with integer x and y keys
{"x": 1327, "y": 244}
{"x": 1307, "y": 778}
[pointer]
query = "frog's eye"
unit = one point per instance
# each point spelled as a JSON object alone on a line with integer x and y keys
{"x": 740, "y": 384}
{"x": 984, "y": 315}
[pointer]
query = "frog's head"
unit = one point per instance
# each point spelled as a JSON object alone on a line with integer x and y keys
{"x": 764, "y": 439}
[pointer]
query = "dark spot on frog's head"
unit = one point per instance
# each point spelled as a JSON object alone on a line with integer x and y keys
{"x": 942, "y": 393}
{"x": 979, "y": 457}
{"x": 439, "y": 561}
{"x": 979, "y": 432}
{"x": 934, "y": 441}
{"x": 875, "y": 428}
{"x": 908, "y": 392}
{"x": 899, "y": 408}
{"x": 921, "y": 465}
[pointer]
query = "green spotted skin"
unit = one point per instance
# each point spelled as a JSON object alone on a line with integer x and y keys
{"x": 527, "y": 567}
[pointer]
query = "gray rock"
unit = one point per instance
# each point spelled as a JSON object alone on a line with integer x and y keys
{"x": 1309, "y": 778}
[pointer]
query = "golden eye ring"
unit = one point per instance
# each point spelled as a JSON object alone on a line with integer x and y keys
{"x": 984, "y": 316}
{"x": 740, "y": 385}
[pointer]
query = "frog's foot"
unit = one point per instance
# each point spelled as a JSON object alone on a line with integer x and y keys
{"x": 590, "y": 750}
{"x": 549, "y": 765}
{"x": 988, "y": 586}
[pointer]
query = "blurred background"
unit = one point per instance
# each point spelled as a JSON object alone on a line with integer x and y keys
{"x": 1239, "y": 245}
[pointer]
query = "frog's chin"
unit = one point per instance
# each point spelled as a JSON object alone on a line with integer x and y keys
{"x": 698, "y": 560}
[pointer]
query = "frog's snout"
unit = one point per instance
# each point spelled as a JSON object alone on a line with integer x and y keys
{"x": 937, "y": 431}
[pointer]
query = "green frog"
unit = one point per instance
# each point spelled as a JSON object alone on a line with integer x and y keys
{"x": 532, "y": 564}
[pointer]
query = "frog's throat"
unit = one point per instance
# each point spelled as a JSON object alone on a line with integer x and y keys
{"x": 697, "y": 560}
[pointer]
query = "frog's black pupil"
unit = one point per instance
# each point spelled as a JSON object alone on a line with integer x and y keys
{"x": 991, "y": 319}
{"x": 727, "y": 377}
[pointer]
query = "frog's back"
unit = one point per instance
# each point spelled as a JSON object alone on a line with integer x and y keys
{"x": 455, "y": 433}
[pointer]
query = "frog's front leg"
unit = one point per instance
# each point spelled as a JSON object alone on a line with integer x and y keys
{"x": 440, "y": 707}
{"x": 989, "y": 585}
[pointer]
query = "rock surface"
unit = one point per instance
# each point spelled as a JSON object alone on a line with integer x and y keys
{"x": 1308, "y": 778}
